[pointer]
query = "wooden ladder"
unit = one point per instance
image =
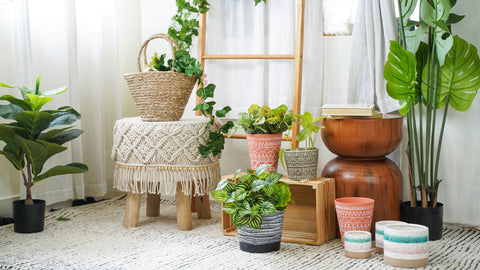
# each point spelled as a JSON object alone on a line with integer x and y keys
{"x": 298, "y": 57}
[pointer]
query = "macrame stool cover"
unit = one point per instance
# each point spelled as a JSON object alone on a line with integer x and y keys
{"x": 152, "y": 157}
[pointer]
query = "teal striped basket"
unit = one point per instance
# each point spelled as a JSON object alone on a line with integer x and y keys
{"x": 406, "y": 245}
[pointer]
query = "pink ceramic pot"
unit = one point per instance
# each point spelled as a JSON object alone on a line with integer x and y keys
{"x": 354, "y": 214}
{"x": 264, "y": 149}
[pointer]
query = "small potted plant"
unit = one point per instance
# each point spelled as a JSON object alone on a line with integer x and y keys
{"x": 30, "y": 140}
{"x": 256, "y": 202}
{"x": 264, "y": 128}
{"x": 302, "y": 162}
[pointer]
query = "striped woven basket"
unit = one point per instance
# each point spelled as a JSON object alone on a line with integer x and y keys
{"x": 267, "y": 239}
{"x": 159, "y": 95}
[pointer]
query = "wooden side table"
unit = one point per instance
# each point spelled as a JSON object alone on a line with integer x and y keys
{"x": 361, "y": 168}
{"x": 163, "y": 157}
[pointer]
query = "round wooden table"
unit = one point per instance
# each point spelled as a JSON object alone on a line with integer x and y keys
{"x": 361, "y": 168}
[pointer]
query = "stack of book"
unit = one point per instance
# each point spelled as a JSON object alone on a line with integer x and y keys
{"x": 350, "y": 110}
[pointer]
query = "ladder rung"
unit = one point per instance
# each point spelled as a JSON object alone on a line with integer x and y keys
{"x": 249, "y": 56}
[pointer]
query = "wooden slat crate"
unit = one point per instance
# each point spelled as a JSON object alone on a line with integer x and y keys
{"x": 311, "y": 219}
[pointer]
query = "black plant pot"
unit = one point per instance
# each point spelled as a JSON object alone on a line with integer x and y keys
{"x": 430, "y": 217}
{"x": 267, "y": 239}
{"x": 28, "y": 218}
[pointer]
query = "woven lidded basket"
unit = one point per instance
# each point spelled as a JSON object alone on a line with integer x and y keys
{"x": 159, "y": 95}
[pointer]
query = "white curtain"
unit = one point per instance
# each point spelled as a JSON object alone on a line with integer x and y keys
{"x": 80, "y": 44}
{"x": 374, "y": 27}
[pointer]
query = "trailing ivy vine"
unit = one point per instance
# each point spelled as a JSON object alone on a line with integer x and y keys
{"x": 183, "y": 29}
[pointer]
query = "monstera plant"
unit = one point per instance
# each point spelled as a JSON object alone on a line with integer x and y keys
{"x": 429, "y": 70}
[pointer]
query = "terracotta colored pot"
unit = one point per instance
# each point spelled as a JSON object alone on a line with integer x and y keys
{"x": 363, "y": 137}
{"x": 406, "y": 245}
{"x": 264, "y": 149}
{"x": 354, "y": 214}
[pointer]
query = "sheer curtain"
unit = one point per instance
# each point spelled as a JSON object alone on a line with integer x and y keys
{"x": 80, "y": 44}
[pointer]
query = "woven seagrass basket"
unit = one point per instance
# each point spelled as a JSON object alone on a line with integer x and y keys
{"x": 159, "y": 95}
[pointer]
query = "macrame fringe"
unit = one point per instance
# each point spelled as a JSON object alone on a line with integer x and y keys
{"x": 195, "y": 180}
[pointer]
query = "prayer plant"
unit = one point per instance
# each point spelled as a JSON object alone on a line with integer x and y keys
{"x": 247, "y": 197}
{"x": 428, "y": 71}
{"x": 30, "y": 137}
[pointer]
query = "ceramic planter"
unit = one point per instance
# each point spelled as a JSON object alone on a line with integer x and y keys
{"x": 358, "y": 244}
{"x": 264, "y": 149}
{"x": 379, "y": 232}
{"x": 267, "y": 239}
{"x": 301, "y": 163}
{"x": 28, "y": 218}
{"x": 406, "y": 245}
{"x": 354, "y": 214}
{"x": 430, "y": 217}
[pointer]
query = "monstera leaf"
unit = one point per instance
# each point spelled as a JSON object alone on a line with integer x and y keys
{"x": 459, "y": 77}
{"x": 400, "y": 73}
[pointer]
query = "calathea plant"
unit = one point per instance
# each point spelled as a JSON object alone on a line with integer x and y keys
{"x": 30, "y": 137}
{"x": 247, "y": 197}
{"x": 428, "y": 71}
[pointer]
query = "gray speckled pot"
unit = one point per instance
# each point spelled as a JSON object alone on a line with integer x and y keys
{"x": 301, "y": 163}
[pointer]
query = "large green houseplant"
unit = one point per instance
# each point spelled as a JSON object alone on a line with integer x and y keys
{"x": 429, "y": 70}
{"x": 264, "y": 127}
{"x": 302, "y": 162}
{"x": 31, "y": 138}
{"x": 252, "y": 199}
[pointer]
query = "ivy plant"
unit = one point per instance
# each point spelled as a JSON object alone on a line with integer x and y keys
{"x": 250, "y": 196}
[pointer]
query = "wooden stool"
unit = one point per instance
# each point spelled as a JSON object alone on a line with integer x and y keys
{"x": 163, "y": 157}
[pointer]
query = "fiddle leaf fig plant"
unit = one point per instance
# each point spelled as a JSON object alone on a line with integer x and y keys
{"x": 250, "y": 196}
{"x": 31, "y": 137}
{"x": 429, "y": 70}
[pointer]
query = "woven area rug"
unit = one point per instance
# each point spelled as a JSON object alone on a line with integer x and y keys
{"x": 94, "y": 238}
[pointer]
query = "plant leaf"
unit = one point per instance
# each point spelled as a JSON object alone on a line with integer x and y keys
{"x": 71, "y": 168}
{"x": 34, "y": 122}
{"x": 267, "y": 208}
{"x": 35, "y": 152}
{"x": 258, "y": 184}
{"x": 459, "y": 77}
{"x": 10, "y": 111}
{"x": 407, "y": 8}
{"x": 229, "y": 208}
{"x": 273, "y": 178}
{"x": 55, "y": 91}
{"x": 219, "y": 195}
{"x": 262, "y": 168}
{"x": 240, "y": 194}
{"x": 37, "y": 102}
{"x": 20, "y": 102}
{"x": 255, "y": 222}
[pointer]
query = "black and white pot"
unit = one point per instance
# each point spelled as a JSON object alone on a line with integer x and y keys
{"x": 431, "y": 217}
{"x": 28, "y": 218}
{"x": 267, "y": 239}
{"x": 301, "y": 163}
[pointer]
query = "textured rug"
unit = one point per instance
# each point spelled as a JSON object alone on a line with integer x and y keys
{"x": 94, "y": 238}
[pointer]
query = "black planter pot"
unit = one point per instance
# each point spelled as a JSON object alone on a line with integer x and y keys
{"x": 430, "y": 217}
{"x": 28, "y": 218}
{"x": 267, "y": 239}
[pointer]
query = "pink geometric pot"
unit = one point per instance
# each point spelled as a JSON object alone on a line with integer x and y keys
{"x": 264, "y": 149}
{"x": 354, "y": 214}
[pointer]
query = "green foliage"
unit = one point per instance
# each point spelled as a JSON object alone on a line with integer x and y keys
{"x": 29, "y": 138}
{"x": 309, "y": 130}
{"x": 263, "y": 120}
{"x": 440, "y": 73}
{"x": 248, "y": 197}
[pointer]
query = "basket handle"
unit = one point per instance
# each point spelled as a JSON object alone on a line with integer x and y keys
{"x": 143, "y": 49}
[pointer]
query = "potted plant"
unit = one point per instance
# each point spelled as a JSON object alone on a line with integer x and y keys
{"x": 264, "y": 128}
{"x": 428, "y": 71}
{"x": 302, "y": 162}
{"x": 256, "y": 202}
{"x": 30, "y": 140}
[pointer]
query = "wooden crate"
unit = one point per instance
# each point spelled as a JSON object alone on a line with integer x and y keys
{"x": 310, "y": 220}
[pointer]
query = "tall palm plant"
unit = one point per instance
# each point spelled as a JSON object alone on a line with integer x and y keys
{"x": 428, "y": 71}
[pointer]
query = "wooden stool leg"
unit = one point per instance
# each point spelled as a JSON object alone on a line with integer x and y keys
{"x": 184, "y": 211}
{"x": 153, "y": 205}
{"x": 132, "y": 209}
{"x": 203, "y": 206}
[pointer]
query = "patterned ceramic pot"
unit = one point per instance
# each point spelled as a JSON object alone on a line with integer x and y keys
{"x": 301, "y": 163}
{"x": 379, "y": 231}
{"x": 358, "y": 244}
{"x": 406, "y": 245}
{"x": 264, "y": 149}
{"x": 267, "y": 239}
{"x": 354, "y": 214}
